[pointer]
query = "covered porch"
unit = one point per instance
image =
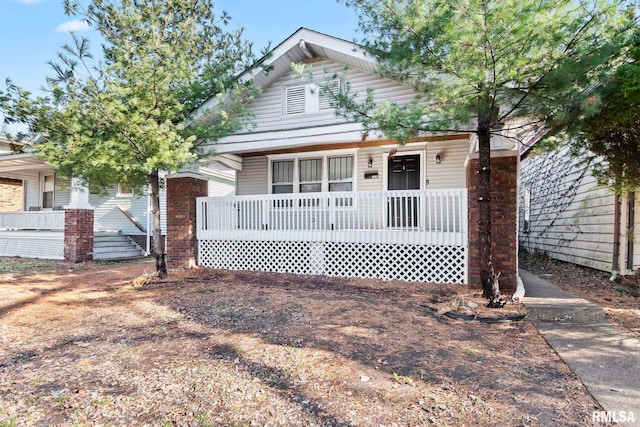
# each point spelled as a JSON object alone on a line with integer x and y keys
{"x": 38, "y": 234}
{"x": 30, "y": 227}
{"x": 412, "y": 235}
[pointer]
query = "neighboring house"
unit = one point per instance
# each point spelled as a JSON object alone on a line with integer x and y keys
{"x": 314, "y": 197}
{"x": 32, "y": 222}
{"x": 11, "y": 191}
{"x": 567, "y": 215}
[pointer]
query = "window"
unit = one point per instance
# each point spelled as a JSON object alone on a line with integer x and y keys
{"x": 312, "y": 174}
{"x": 48, "y": 185}
{"x": 282, "y": 176}
{"x": 310, "y": 98}
{"x": 125, "y": 189}
{"x": 341, "y": 173}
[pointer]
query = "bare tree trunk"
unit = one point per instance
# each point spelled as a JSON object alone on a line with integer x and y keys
{"x": 158, "y": 251}
{"x": 488, "y": 277}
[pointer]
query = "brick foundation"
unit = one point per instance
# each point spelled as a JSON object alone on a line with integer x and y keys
{"x": 182, "y": 190}
{"x": 504, "y": 199}
{"x": 78, "y": 235}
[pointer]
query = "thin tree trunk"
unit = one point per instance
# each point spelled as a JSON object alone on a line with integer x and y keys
{"x": 490, "y": 287}
{"x": 158, "y": 251}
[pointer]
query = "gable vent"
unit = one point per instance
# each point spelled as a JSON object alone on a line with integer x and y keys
{"x": 325, "y": 99}
{"x": 310, "y": 98}
{"x": 295, "y": 100}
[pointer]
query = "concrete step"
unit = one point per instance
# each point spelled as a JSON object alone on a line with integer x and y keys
{"x": 111, "y": 243}
{"x": 119, "y": 248}
{"x": 113, "y": 246}
{"x": 111, "y": 239}
{"x": 118, "y": 255}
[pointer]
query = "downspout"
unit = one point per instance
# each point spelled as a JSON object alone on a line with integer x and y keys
{"x": 615, "y": 264}
{"x": 631, "y": 199}
{"x": 518, "y": 295}
{"x": 148, "y": 242}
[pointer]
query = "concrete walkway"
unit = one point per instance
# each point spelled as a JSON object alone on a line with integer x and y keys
{"x": 604, "y": 356}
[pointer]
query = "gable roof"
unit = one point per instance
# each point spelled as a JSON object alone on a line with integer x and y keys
{"x": 302, "y": 44}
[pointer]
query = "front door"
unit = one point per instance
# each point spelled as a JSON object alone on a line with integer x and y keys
{"x": 404, "y": 174}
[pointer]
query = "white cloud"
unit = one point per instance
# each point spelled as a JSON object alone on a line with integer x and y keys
{"x": 72, "y": 26}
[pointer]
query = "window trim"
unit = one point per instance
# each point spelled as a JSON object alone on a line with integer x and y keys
{"x": 324, "y": 155}
{"x": 385, "y": 166}
{"x": 301, "y": 182}
{"x": 42, "y": 191}
{"x": 120, "y": 193}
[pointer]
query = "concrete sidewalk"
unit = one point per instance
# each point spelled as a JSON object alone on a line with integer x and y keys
{"x": 604, "y": 356}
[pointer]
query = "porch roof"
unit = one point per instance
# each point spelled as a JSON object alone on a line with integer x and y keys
{"x": 21, "y": 166}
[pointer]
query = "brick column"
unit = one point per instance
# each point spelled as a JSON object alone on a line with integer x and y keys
{"x": 182, "y": 190}
{"x": 78, "y": 234}
{"x": 504, "y": 199}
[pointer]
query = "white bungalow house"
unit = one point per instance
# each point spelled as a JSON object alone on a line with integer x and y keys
{"x": 314, "y": 197}
{"x": 33, "y": 199}
{"x": 567, "y": 215}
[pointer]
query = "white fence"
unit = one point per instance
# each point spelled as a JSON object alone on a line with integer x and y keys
{"x": 413, "y": 235}
{"x": 429, "y": 217}
{"x": 41, "y": 220}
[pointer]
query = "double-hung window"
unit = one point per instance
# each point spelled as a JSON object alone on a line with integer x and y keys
{"x": 312, "y": 174}
{"x": 341, "y": 173}
{"x": 48, "y": 186}
{"x": 282, "y": 176}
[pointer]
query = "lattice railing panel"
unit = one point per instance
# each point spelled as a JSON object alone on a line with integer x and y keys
{"x": 32, "y": 247}
{"x": 411, "y": 263}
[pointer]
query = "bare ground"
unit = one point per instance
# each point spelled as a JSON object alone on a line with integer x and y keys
{"x": 93, "y": 346}
{"x": 620, "y": 299}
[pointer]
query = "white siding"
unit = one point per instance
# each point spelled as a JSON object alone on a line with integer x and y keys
{"x": 163, "y": 208}
{"x": 62, "y": 194}
{"x": 451, "y": 172}
{"x": 362, "y": 168}
{"x": 635, "y": 231}
{"x": 571, "y": 216}
{"x": 268, "y": 106}
{"x": 32, "y": 193}
{"x": 109, "y": 218}
{"x": 271, "y": 127}
{"x": 252, "y": 179}
{"x": 220, "y": 187}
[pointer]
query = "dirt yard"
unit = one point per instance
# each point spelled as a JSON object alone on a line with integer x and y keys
{"x": 203, "y": 347}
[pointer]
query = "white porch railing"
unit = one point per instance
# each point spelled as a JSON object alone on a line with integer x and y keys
{"x": 412, "y": 217}
{"x": 41, "y": 220}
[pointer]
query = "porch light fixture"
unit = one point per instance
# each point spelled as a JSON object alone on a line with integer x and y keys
{"x": 370, "y": 163}
{"x": 438, "y": 158}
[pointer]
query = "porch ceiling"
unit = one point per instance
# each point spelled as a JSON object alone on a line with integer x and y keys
{"x": 21, "y": 166}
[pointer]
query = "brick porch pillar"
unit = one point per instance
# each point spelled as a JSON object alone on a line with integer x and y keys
{"x": 182, "y": 190}
{"x": 78, "y": 235}
{"x": 78, "y": 224}
{"x": 504, "y": 205}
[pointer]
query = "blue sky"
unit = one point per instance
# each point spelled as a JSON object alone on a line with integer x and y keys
{"x": 32, "y": 31}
